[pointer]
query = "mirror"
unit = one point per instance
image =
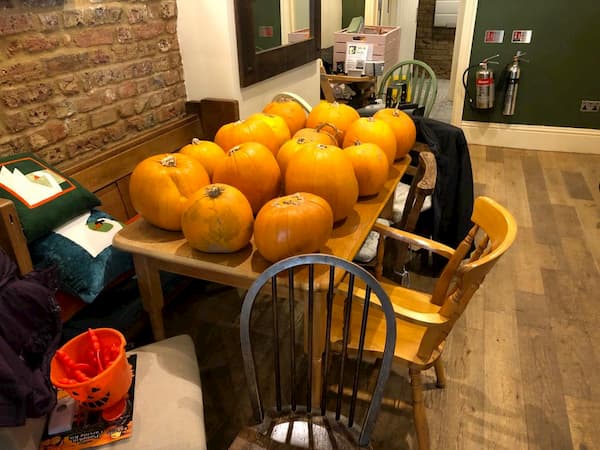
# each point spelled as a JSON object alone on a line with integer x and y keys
{"x": 274, "y": 36}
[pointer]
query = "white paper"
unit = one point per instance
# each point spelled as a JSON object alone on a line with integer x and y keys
{"x": 30, "y": 191}
{"x": 357, "y": 54}
{"x": 92, "y": 241}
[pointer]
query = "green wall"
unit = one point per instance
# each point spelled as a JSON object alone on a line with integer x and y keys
{"x": 564, "y": 56}
{"x": 351, "y": 9}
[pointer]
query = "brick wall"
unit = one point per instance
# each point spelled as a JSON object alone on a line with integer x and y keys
{"x": 434, "y": 45}
{"x": 77, "y": 76}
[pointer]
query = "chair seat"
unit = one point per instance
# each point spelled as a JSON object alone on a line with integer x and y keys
{"x": 409, "y": 335}
{"x": 289, "y": 432}
{"x": 168, "y": 409}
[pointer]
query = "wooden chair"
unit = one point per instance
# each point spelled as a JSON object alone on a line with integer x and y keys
{"x": 408, "y": 203}
{"x": 424, "y": 321}
{"x": 290, "y": 419}
{"x": 295, "y": 97}
{"x": 415, "y": 78}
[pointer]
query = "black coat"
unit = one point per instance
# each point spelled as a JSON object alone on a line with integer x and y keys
{"x": 452, "y": 200}
{"x": 30, "y": 328}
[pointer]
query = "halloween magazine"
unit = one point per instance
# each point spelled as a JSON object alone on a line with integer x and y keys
{"x": 75, "y": 428}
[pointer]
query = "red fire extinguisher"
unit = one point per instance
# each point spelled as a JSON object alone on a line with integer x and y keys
{"x": 484, "y": 84}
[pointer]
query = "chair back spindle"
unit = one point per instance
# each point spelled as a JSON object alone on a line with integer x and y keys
{"x": 348, "y": 410}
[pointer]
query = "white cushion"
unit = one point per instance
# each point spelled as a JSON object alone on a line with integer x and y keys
{"x": 368, "y": 251}
{"x": 26, "y": 437}
{"x": 400, "y": 200}
{"x": 168, "y": 409}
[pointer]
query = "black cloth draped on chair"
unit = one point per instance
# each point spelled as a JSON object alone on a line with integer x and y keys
{"x": 453, "y": 196}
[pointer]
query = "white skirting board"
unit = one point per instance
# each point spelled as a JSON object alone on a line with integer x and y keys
{"x": 533, "y": 137}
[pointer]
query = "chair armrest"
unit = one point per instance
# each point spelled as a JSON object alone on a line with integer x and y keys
{"x": 429, "y": 319}
{"x": 426, "y": 319}
{"x": 414, "y": 240}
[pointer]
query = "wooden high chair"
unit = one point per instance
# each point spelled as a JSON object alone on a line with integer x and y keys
{"x": 424, "y": 321}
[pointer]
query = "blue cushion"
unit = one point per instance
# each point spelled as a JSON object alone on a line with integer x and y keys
{"x": 79, "y": 272}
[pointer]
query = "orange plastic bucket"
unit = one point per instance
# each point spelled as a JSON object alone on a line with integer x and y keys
{"x": 109, "y": 386}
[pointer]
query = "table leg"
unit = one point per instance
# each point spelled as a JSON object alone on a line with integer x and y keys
{"x": 151, "y": 293}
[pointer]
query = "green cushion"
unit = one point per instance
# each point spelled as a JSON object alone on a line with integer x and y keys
{"x": 44, "y": 197}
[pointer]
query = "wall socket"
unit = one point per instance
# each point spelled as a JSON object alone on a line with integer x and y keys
{"x": 590, "y": 106}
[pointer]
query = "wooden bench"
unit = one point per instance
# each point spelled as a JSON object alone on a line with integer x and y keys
{"x": 107, "y": 173}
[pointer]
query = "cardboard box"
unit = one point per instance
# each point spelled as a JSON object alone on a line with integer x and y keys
{"x": 298, "y": 35}
{"x": 385, "y": 41}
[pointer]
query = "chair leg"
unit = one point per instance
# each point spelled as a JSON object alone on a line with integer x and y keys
{"x": 419, "y": 409}
{"x": 439, "y": 373}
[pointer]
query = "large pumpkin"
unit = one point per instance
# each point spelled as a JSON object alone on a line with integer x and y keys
{"x": 325, "y": 133}
{"x": 374, "y": 131}
{"x": 288, "y": 150}
{"x": 236, "y": 133}
{"x": 207, "y": 152}
{"x": 370, "y": 167}
{"x": 338, "y": 114}
{"x": 292, "y": 225}
{"x": 277, "y": 124}
{"x": 403, "y": 126}
{"x": 326, "y": 171}
{"x": 290, "y": 111}
{"x": 217, "y": 219}
{"x": 251, "y": 168}
{"x": 161, "y": 185}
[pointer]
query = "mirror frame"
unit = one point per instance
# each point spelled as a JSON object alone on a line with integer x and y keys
{"x": 258, "y": 66}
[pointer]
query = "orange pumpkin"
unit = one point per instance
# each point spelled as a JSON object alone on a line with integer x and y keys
{"x": 207, "y": 152}
{"x": 374, "y": 131}
{"x": 326, "y": 171}
{"x": 290, "y": 111}
{"x": 277, "y": 124}
{"x": 288, "y": 150}
{"x": 338, "y": 114}
{"x": 403, "y": 126}
{"x": 282, "y": 224}
{"x": 161, "y": 185}
{"x": 251, "y": 168}
{"x": 235, "y": 133}
{"x": 217, "y": 219}
{"x": 325, "y": 133}
{"x": 370, "y": 167}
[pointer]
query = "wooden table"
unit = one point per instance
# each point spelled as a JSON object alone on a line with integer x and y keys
{"x": 156, "y": 250}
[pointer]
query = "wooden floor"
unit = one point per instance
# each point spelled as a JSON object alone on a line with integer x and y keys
{"x": 523, "y": 364}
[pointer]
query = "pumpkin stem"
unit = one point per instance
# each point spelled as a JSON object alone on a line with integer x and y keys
{"x": 357, "y": 142}
{"x": 195, "y": 141}
{"x": 232, "y": 150}
{"x": 291, "y": 200}
{"x": 327, "y": 124}
{"x": 169, "y": 161}
{"x": 214, "y": 190}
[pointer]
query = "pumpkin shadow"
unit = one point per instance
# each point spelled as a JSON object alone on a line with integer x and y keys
{"x": 233, "y": 259}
